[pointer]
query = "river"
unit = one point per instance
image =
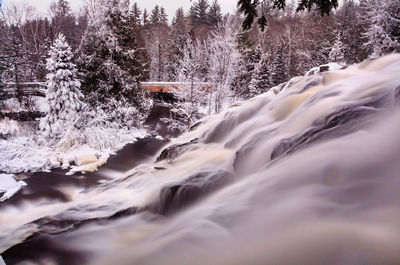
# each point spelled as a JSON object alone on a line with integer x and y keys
{"x": 307, "y": 176}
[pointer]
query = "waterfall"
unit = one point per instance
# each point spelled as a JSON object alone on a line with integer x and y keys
{"x": 307, "y": 173}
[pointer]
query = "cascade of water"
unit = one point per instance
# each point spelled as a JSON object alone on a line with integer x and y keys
{"x": 307, "y": 176}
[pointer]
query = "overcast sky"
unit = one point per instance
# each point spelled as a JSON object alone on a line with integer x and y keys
{"x": 169, "y": 5}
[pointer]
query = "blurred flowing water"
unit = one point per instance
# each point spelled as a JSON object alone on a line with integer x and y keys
{"x": 308, "y": 176}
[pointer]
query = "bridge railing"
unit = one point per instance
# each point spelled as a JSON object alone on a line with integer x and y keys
{"x": 38, "y": 89}
{"x": 169, "y": 87}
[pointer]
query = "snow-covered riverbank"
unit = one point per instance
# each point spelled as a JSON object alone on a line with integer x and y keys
{"x": 29, "y": 151}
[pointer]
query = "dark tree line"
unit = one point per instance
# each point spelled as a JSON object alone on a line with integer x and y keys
{"x": 251, "y": 8}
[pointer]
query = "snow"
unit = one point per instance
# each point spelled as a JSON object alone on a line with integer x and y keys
{"x": 9, "y": 127}
{"x": 41, "y": 104}
{"x": 9, "y": 186}
{"x": 85, "y": 155}
{"x": 21, "y": 154}
{"x": 2, "y": 261}
{"x": 173, "y": 83}
{"x": 91, "y": 166}
{"x": 11, "y": 105}
{"x": 63, "y": 94}
{"x": 324, "y": 67}
{"x": 33, "y": 153}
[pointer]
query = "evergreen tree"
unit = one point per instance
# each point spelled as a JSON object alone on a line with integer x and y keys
{"x": 322, "y": 46}
{"x": 384, "y": 31}
{"x": 113, "y": 61}
{"x": 155, "y": 17}
{"x": 64, "y": 22}
{"x": 3, "y": 61}
{"x": 63, "y": 94}
{"x": 145, "y": 17}
{"x": 249, "y": 9}
{"x": 214, "y": 13}
{"x": 163, "y": 16}
{"x": 177, "y": 40}
{"x": 349, "y": 25}
{"x": 279, "y": 73}
{"x": 135, "y": 14}
{"x": 260, "y": 81}
{"x": 337, "y": 52}
{"x": 199, "y": 13}
{"x": 248, "y": 61}
{"x": 63, "y": 8}
{"x": 14, "y": 59}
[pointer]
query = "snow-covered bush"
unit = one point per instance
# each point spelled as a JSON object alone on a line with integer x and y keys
{"x": 95, "y": 129}
{"x": 63, "y": 95}
{"x": 24, "y": 153}
{"x": 224, "y": 57}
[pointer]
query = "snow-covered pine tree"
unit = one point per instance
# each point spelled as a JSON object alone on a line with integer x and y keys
{"x": 247, "y": 62}
{"x": 349, "y": 23}
{"x": 260, "y": 81}
{"x": 279, "y": 73}
{"x": 113, "y": 61}
{"x": 337, "y": 52}
{"x": 63, "y": 94}
{"x": 383, "y": 34}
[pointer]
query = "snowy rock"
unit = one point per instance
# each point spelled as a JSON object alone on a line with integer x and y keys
{"x": 85, "y": 155}
{"x": 324, "y": 68}
{"x": 90, "y": 167}
{"x": 9, "y": 186}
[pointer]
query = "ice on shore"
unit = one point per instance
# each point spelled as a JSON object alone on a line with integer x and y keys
{"x": 9, "y": 186}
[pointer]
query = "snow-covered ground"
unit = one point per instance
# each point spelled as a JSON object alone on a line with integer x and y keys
{"x": 23, "y": 153}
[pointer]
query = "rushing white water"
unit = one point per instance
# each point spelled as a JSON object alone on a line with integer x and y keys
{"x": 308, "y": 176}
